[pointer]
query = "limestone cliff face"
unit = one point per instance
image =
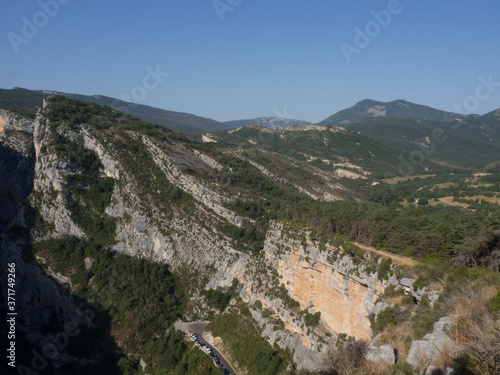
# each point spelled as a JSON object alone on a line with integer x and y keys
{"x": 31, "y": 168}
{"x": 342, "y": 291}
{"x": 177, "y": 156}
{"x": 38, "y": 297}
{"x": 143, "y": 229}
{"x": 320, "y": 278}
{"x": 16, "y": 164}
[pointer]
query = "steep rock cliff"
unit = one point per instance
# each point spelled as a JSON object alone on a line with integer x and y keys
{"x": 34, "y": 168}
{"x": 38, "y": 298}
{"x": 16, "y": 164}
{"x": 145, "y": 227}
{"x": 315, "y": 292}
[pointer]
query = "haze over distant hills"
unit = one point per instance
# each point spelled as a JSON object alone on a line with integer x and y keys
{"x": 398, "y": 123}
{"x": 397, "y": 108}
{"x": 267, "y": 122}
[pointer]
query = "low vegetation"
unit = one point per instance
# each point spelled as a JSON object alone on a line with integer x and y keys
{"x": 348, "y": 359}
{"x": 248, "y": 349}
{"x": 21, "y": 101}
{"x": 469, "y": 296}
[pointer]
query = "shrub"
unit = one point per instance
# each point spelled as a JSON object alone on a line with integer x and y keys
{"x": 266, "y": 313}
{"x": 495, "y": 303}
{"x": 258, "y": 305}
{"x": 424, "y": 318}
{"x": 482, "y": 346}
{"x": 477, "y": 330}
{"x": 391, "y": 291}
{"x": 390, "y": 316}
{"x": 384, "y": 269}
{"x": 423, "y": 201}
{"x": 349, "y": 359}
{"x": 312, "y": 320}
{"x": 217, "y": 298}
{"x": 402, "y": 369}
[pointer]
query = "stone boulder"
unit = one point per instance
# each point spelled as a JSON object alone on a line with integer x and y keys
{"x": 384, "y": 353}
{"x": 424, "y": 354}
{"x": 418, "y": 294}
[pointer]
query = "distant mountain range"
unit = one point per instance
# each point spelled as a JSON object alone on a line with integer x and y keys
{"x": 447, "y": 139}
{"x": 267, "y": 122}
{"x": 177, "y": 121}
{"x": 397, "y": 123}
{"x": 465, "y": 140}
{"x": 397, "y": 108}
{"x": 180, "y": 122}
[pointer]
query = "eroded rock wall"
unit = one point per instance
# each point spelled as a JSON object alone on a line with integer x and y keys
{"x": 16, "y": 164}
{"x": 320, "y": 278}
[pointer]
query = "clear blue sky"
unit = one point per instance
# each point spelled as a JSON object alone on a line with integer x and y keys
{"x": 261, "y": 57}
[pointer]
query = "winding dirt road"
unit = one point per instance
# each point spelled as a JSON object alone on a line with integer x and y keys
{"x": 397, "y": 259}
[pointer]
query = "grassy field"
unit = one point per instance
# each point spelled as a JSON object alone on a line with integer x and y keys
{"x": 448, "y": 201}
{"x": 444, "y": 185}
{"x": 395, "y": 180}
{"x": 481, "y": 197}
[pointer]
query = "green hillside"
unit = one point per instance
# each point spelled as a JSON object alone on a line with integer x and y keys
{"x": 21, "y": 101}
{"x": 324, "y": 147}
{"x": 26, "y": 102}
{"x": 433, "y": 138}
{"x": 397, "y": 108}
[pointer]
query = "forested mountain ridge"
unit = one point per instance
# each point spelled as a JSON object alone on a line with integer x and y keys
{"x": 397, "y": 108}
{"x": 267, "y": 122}
{"x": 144, "y": 226}
{"x": 471, "y": 140}
{"x": 27, "y": 102}
{"x": 460, "y": 144}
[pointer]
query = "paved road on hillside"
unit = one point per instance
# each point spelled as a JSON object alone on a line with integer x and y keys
{"x": 199, "y": 329}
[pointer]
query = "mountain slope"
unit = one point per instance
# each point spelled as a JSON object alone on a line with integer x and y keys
{"x": 27, "y": 102}
{"x": 113, "y": 200}
{"x": 267, "y": 122}
{"x": 177, "y": 121}
{"x": 435, "y": 139}
{"x": 485, "y": 128}
{"x": 21, "y": 101}
{"x": 396, "y": 108}
{"x": 328, "y": 163}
